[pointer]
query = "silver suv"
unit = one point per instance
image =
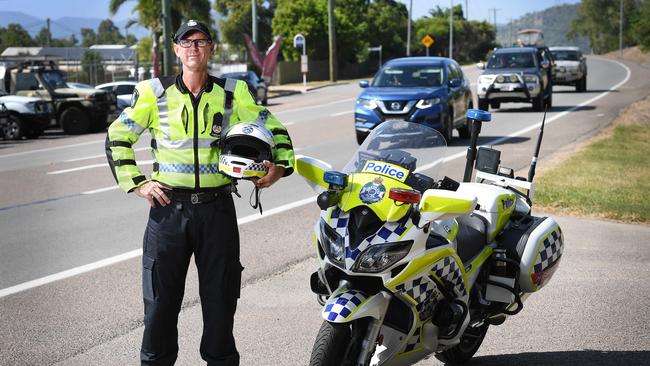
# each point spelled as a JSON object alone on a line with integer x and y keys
{"x": 517, "y": 74}
{"x": 570, "y": 67}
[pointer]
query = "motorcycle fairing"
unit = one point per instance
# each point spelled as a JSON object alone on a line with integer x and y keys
{"x": 444, "y": 263}
{"x": 347, "y": 305}
{"x": 390, "y": 232}
{"x": 385, "y": 208}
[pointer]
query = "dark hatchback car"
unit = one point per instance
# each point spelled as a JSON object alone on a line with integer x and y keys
{"x": 429, "y": 90}
{"x": 256, "y": 85}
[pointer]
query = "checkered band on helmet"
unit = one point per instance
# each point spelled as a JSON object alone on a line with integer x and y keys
{"x": 245, "y": 146}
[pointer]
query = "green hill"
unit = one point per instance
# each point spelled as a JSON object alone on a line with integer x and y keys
{"x": 554, "y": 22}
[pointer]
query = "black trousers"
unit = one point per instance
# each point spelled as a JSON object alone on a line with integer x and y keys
{"x": 175, "y": 232}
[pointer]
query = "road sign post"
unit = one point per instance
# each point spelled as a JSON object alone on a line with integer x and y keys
{"x": 427, "y": 41}
{"x": 300, "y": 42}
{"x": 376, "y": 49}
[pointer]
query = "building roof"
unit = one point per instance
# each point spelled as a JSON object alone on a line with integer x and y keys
{"x": 69, "y": 53}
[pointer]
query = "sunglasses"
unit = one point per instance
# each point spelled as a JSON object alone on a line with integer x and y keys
{"x": 187, "y": 43}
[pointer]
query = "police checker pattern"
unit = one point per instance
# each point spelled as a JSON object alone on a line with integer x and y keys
{"x": 420, "y": 289}
{"x": 448, "y": 270}
{"x": 414, "y": 341}
{"x": 550, "y": 252}
{"x": 187, "y": 168}
{"x": 343, "y": 304}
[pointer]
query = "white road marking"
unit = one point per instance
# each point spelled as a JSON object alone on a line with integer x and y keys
{"x": 135, "y": 253}
{"x": 314, "y": 106}
{"x": 52, "y": 148}
{"x": 341, "y": 113}
{"x": 91, "y": 166}
{"x": 100, "y": 155}
{"x": 101, "y": 190}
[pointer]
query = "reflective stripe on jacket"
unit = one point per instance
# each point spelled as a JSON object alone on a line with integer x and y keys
{"x": 186, "y": 132}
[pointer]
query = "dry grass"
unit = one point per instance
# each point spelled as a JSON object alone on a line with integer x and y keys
{"x": 633, "y": 54}
{"x": 608, "y": 177}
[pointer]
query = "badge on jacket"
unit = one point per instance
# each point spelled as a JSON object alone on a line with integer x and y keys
{"x": 217, "y": 120}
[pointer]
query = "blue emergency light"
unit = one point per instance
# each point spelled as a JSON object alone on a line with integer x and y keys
{"x": 479, "y": 115}
{"x": 335, "y": 179}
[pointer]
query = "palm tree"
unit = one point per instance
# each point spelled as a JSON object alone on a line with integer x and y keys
{"x": 148, "y": 15}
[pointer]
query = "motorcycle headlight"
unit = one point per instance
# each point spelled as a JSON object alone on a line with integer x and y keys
{"x": 333, "y": 244}
{"x": 426, "y": 103}
{"x": 531, "y": 79}
{"x": 379, "y": 257}
{"x": 368, "y": 103}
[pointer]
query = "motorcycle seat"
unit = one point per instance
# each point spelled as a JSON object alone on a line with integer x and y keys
{"x": 471, "y": 237}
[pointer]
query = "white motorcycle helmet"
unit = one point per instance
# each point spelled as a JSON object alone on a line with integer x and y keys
{"x": 245, "y": 146}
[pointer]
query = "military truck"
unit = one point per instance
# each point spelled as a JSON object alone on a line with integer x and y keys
{"x": 78, "y": 110}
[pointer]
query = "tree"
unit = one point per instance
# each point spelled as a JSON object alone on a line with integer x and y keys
{"x": 144, "y": 47}
{"x": 309, "y": 18}
{"x": 15, "y": 36}
{"x": 91, "y": 64}
{"x": 387, "y": 26}
{"x": 599, "y": 20}
{"x": 88, "y": 37}
{"x": 439, "y": 12}
{"x": 472, "y": 39}
{"x": 108, "y": 33}
{"x": 239, "y": 21}
{"x": 641, "y": 26}
{"x": 44, "y": 36}
{"x": 149, "y": 12}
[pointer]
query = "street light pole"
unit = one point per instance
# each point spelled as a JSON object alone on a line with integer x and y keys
{"x": 254, "y": 15}
{"x": 166, "y": 35}
{"x": 451, "y": 28}
{"x": 332, "y": 38}
{"x": 408, "y": 30}
{"x": 620, "y": 30}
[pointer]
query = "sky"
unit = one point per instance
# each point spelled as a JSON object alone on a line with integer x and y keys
{"x": 478, "y": 9}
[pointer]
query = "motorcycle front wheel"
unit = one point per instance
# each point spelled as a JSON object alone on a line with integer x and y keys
{"x": 470, "y": 342}
{"x": 338, "y": 344}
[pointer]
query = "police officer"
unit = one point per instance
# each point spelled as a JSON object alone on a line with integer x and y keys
{"x": 192, "y": 210}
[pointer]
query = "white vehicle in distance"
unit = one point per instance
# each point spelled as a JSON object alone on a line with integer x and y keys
{"x": 570, "y": 67}
{"x": 123, "y": 90}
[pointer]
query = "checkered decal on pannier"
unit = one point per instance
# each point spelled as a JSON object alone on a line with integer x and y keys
{"x": 448, "y": 271}
{"x": 550, "y": 252}
{"x": 343, "y": 304}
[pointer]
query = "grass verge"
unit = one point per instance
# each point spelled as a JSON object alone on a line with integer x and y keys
{"x": 609, "y": 177}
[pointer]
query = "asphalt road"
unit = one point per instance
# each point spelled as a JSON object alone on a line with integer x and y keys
{"x": 59, "y": 212}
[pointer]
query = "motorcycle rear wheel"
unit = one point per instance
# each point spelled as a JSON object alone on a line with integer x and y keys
{"x": 335, "y": 344}
{"x": 470, "y": 342}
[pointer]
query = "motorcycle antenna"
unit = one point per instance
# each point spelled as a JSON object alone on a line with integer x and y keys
{"x": 533, "y": 162}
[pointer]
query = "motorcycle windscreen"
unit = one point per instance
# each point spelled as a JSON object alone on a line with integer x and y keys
{"x": 390, "y": 154}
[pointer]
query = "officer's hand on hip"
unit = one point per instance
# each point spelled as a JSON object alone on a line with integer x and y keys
{"x": 151, "y": 190}
{"x": 275, "y": 172}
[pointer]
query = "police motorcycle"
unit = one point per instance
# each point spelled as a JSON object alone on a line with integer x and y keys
{"x": 410, "y": 266}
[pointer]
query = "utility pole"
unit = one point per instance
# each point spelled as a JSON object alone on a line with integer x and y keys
{"x": 332, "y": 38}
{"x": 451, "y": 28}
{"x": 466, "y": 11}
{"x": 510, "y": 31}
{"x": 49, "y": 33}
{"x": 167, "y": 37}
{"x": 254, "y": 7}
{"x": 620, "y": 30}
{"x": 494, "y": 11}
{"x": 408, "y": 30}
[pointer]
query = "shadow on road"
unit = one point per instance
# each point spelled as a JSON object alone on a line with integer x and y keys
{"x": 486, "y": 140}
{"x": 556, "y": 108}
{"x": 586, "y": 357}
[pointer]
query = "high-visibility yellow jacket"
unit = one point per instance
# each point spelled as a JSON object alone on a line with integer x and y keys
{"x": 185, "y": 132}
